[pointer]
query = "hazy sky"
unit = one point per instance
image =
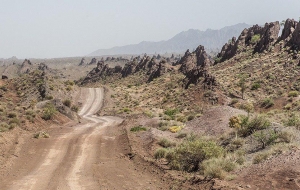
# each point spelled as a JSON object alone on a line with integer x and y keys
{"x": 63, "y": 28}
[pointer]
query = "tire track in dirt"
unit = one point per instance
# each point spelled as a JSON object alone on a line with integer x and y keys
{"x": 86, "y": 156}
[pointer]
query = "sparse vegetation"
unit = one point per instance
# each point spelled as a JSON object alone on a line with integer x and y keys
{"x": 48, "y": 111}
{"x": 138, "y": 128}
{"x": 190, "y": 154}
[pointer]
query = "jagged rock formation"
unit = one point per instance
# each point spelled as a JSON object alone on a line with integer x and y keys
{"x": 82, "y": 62}
{"x": 149, "y": 66}
{"x": 25, "y": 66}
{"x": 158, "y": 69}
{"x": 289, "y": 27}
{"x": 42, "y": 67}
{"x": 268, "y": 37}
{"x": 93, "y": 61}
{"x": 261, "y": 38}
{"x": 195, "y": 65}
{"x": 198, "y": 58}
{"x": 294, "y": 42}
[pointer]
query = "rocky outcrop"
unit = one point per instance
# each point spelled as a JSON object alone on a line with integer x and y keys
{"x": 158, "y": 69}
{"x": 268, "y": 36}
{"x": 289, "y": 28}
{"x": 129, "y": 68}
{"x": 150, "y": 67}
{"x": 199, "y": 58}
{"x": 42, "y": 67}
{"x": 26, "y": 67}
{"x": 196, "y": 65}
{"x": 93, "y": 61}
{"x": 82, "y": 62}
{"x": 294, "y": 42}
{"x": 260, "y": 38}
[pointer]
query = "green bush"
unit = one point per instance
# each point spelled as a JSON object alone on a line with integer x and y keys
{"x": 166, "y": 143}
{"x": 293, "y": 94}
{"x": 217, "y": 167}
{"x": 250, "y": 126}
{"x": 266, "y": 138}
{"x": 188, "y": 155}
{"x": 255, "y": 39}
{"x": 14, "y": 120}
{"x": 260, "y": 157}
{"x": 138, "y": 128}
{"x": 267, "y": 103}
{"x": 67, "y": 103}
{"x": 171, "y": 113}
{"x": 293, "y": 120}
{"x": 255, "y": 86}
{"x": 160, "y": 153}
{"x": 48, "y": 111}
{"x": 4, "y": 127}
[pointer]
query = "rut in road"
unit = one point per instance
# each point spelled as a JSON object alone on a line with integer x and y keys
{"x": 85, "y": 156}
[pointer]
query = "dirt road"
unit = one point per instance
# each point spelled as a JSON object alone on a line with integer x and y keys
{"x": 90, "y": 155}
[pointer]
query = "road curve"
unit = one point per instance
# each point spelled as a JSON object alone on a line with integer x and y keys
{"x": 61, "y": 167}
{"x": 86, "y": 156}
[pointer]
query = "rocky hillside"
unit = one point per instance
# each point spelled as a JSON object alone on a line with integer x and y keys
{"x": 211, "y": 39}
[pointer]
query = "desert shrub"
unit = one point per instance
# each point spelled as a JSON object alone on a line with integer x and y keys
{"x": 175, "y": 129}
{"x": 68, "y": 82}
{"x": 41, "y": 134}
{"x": 15, "y": 121}
{"x": 188, "y": 155}
{"x": 293, "y": 94}
{"x": 255, "y": 39}
{"x": 217, "y": 167}
{"x": 67, "y": 102}
{"x": 138, "y": 128}
{"x": 4, "y": 127}
{"x": 75, "y": 108}
{"x": 30, "y": 113}
{"x": 260, "y": 157}
{"x": 166, "y": 143}
{"x": 293, "y": 120}
{"x": 11, "y": 115}
{"x": 255, "y": 86}
{"x": 235, "y": 144}
{"x": 126, "y": 110}
{"x": 171, "y": 113}
{"x": 49, "y": 97}
{"x": 249, "y": 126}
{"x": 267, "y": 103}
{"x": 182, "y": 119}
{"x": 217, "y": 59}
{"x": 160, "y": 153}
{"x": 266, "y": 137}
{"x": 234, "y": 101}
{"x": 48, "y": 111}
{"x": 285, "y": 136}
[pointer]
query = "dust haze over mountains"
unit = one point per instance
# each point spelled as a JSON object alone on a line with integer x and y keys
{"x": 56, "y": 28}
{"x": 211, "y": 39}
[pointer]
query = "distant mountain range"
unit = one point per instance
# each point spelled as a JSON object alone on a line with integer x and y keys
{"x": 211, "y": 39}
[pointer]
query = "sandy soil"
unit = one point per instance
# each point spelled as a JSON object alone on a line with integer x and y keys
{"x": 90, "y": 155}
